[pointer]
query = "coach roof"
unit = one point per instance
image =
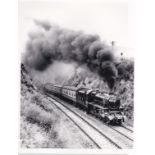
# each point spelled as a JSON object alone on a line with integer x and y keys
{"x": 70, "y": 88}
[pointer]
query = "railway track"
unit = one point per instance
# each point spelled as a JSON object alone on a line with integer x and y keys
{"x": 78, "y": 126}
{"x": 127, "y": 128}
{"x": 100, "y": 140}
{"x": 123, "y": 131}
{"x": 100, "y": 132}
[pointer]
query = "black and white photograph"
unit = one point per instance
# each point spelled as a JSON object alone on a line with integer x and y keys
{"x": 76, "y": 74}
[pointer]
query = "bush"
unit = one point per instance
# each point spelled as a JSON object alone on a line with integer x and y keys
{"x": 125, "y": 69}
{"x": 36, "y": 115}
{"x": 42, "y": 102}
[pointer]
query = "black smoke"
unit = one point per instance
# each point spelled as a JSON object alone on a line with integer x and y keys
{"x": 52, "y": 43}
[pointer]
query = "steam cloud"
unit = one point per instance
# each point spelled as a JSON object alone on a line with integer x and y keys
{"x": 54, "y": 73}
{"x": 52, "y": 43}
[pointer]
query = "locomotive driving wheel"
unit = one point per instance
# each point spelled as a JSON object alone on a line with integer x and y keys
{"x": 106, "y": 120}
{"x": 119, "y": 122}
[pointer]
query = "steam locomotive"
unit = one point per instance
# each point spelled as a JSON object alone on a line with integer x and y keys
{"x": 104, "y": 106}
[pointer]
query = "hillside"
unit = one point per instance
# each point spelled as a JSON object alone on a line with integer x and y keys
{"x": 42, "y": 125}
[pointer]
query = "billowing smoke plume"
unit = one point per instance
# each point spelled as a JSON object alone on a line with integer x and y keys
{"x": 54, "y": 73}
{"x": 52, "y": 43}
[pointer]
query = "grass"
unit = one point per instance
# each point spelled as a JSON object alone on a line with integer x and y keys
{"x": 40, "y": 101}
{"x": 40, "y": 117}
{"x": 34, "y": 111}
{"x": 38, "y": 122}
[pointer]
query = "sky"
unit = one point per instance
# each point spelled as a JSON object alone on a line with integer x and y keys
{"x": 107, "y": 18}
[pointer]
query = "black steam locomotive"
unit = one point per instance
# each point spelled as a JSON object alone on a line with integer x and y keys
{"x": 104, "y": 106}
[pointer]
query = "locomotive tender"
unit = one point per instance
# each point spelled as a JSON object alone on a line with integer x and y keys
{"x": 104, "y": 106}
